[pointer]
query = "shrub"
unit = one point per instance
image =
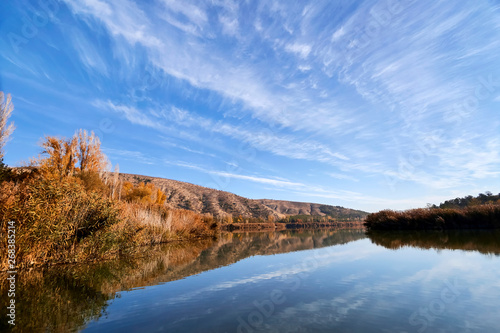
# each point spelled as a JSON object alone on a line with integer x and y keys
{"x": 143, "y": 193}
{"x": 92, "y": 182}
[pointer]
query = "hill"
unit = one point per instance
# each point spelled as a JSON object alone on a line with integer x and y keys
{"x": 225, "y": 204}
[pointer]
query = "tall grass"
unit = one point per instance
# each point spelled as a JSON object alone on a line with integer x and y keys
{"x": 158, "y": 224}
{"x": 62, "y": 219}
{"x": 52, "y": 218}
{"x": 474, "y": 217}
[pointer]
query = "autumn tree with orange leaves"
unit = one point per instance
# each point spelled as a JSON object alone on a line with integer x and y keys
{"x": 143, "y": 193}
{"x": 66, "y": 157}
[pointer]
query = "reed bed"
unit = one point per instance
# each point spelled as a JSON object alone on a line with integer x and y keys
{"x": 485, "y": 216}
{"x": 59, "y": 220}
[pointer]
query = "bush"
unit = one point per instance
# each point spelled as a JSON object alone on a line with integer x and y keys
{"x": 93, "y": 182}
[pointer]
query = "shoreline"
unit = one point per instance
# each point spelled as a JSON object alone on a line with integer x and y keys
{"x": 139, "y": 251}
{"x": 486, "y": 216}
{"x": 277, "y": 226}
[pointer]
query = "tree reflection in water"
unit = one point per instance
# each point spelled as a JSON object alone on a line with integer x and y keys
{"x": 483, "y": 241}
{"x": 65, "y": 298}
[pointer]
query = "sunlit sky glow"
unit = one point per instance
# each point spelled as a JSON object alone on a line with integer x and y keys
{"x": 363, "y": 104}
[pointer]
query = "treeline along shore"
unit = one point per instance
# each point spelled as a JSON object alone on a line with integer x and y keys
{"x": 481, "y": 212}
{"x": 276, "y": 226}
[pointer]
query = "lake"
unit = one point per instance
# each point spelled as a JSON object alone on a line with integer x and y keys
{"x": 300, "y": 281}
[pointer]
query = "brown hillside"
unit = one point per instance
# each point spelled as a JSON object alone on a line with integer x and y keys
{"x": 223, "y": 204}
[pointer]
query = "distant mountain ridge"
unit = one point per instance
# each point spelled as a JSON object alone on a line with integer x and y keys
{"x": 222, "y": 204}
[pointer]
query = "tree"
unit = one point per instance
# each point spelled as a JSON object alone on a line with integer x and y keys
{"x": 60, "y": 156}
{"x": 80, "y": 154}
{"x": 6, "y": 108}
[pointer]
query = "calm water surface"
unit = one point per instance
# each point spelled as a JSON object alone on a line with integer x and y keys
{"x": 322, "y": 281}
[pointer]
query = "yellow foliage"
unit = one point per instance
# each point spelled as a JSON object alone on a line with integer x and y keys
{"x": 63, "y": 157}
{"x": 60, "y": 158}
{"x": 143, "y": 193}
{"x": 160, "y": 197}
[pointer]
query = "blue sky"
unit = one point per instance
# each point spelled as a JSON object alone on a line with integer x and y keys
{"x": 363, "y": 104}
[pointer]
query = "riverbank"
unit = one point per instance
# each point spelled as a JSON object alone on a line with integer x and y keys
{"x": 270, "y": 226}
{"x": 53, "y": 219}
{"x": 485, "y": 216}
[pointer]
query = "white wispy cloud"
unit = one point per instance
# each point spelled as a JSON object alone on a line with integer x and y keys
{"x": 130, "y": 155}
{"x": 342, "y": 176}
{"x": 167, "y": 143}
{"x": 338, "y": 34}
{"x": 269, "y": 181}
{"x": 125, "y": 19}
{"x": 131, "y": 113}
{"x": 203, "y": 68}
{"x": 88, "y": 54}
{"x": 302, "y": 50}
{"x": 268, "y": 140}
{"x": 360, "y": 94}
{"x": 185, "y": 15}
{"x": 229, "y": 175}
{"x": 283, "y": 145}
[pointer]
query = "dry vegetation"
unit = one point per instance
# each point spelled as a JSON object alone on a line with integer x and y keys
{"x": 67, "y": 208}
{"x": 484, "y": 216}
{"x": 63, "y": 216}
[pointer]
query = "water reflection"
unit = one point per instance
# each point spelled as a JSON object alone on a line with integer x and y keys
{"x": 483, "y": 241}
{"x": 66, "y": 298}
{"x": 293, "y": 281}
{"x": 354, "y": 287}
{"x": 63, "y": 298}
